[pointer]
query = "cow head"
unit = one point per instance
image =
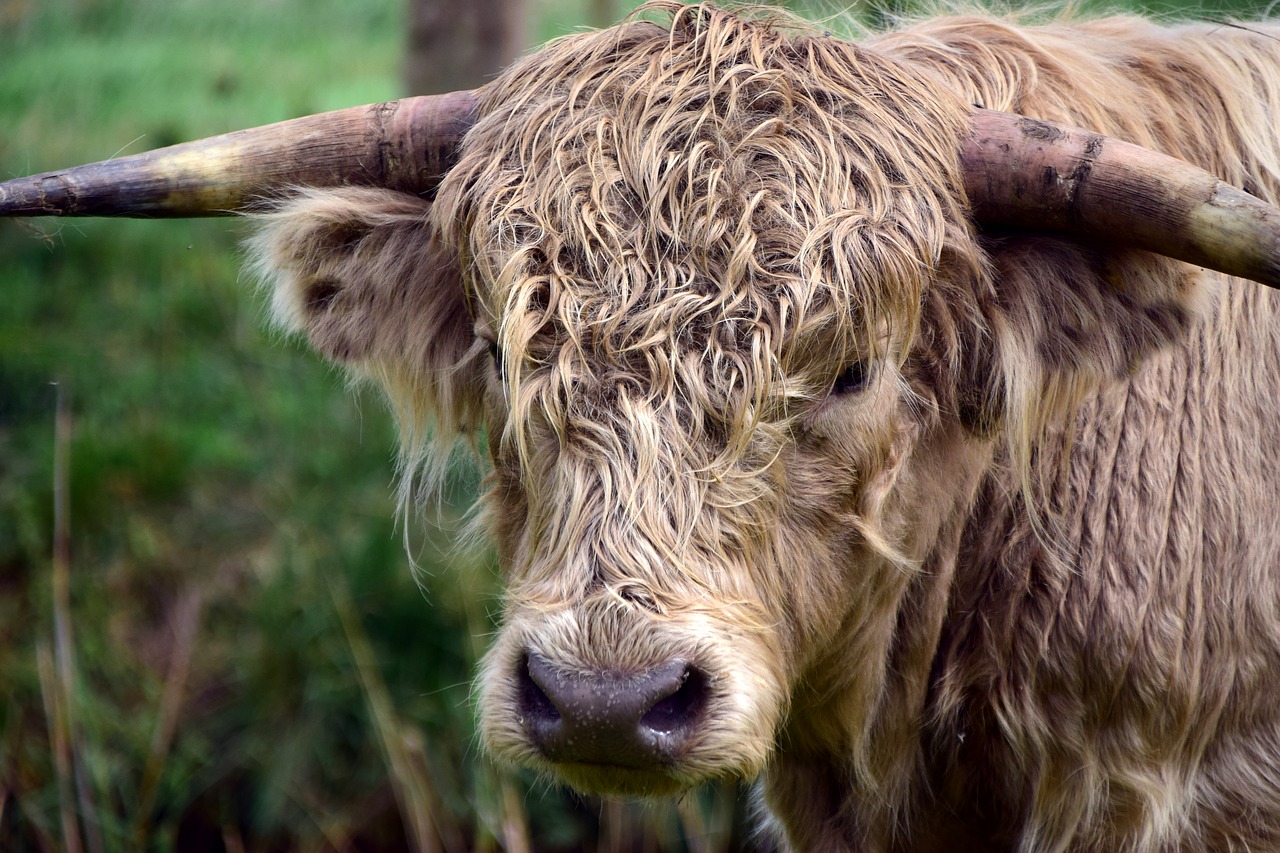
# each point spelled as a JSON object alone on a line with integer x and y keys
{"x": 712, "y": 292}
{"x": 684, "y": 269}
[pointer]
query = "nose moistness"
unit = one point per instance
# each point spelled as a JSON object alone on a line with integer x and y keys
{"x": 642, "y": 721}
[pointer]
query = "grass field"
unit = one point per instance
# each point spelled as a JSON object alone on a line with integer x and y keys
{"x": 235, "y": 654}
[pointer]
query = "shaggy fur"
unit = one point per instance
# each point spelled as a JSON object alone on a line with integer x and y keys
{"x": 1014, "y": 583}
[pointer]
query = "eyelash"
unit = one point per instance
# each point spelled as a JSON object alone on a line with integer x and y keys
{"x": 852, "y": 379}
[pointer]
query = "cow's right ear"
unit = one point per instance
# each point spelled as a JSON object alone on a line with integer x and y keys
{"x": 362, "y": 273}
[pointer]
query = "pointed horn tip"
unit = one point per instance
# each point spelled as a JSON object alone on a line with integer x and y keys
{"x": 406, "y": 145}
{"x": 38, "y": 195}
{"x": 83, "y": 191}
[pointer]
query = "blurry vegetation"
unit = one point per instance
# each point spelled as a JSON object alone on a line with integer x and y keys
{"x": 245, "y": 661}
{"x": 461, "y": 44}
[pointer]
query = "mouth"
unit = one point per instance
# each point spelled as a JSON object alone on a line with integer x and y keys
{"x": 619, "y": 781}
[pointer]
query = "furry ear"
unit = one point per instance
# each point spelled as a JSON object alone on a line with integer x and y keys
{"x": 364, "y": 276}
{"x": 361, "y": 273}
{"x": 1076, "y": 310}
{"x": 1062, "y": 320}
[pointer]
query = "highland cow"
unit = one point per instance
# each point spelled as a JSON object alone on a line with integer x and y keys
{"x": 942, "y": 500}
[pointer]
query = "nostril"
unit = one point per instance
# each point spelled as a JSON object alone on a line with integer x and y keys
{"x": 535, "y": 704}
{"x": 642, "y": 720}
{"x": 681, "y": 708}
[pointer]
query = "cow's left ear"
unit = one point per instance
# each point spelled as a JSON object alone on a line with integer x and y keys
{"x": 1062, "y": 319}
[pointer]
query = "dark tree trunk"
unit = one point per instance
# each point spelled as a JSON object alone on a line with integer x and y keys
{"x": 460, "y": 44}
{"x": 601, "y": 13}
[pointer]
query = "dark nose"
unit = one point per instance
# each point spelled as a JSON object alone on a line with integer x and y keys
{"x": 642, "y": 721}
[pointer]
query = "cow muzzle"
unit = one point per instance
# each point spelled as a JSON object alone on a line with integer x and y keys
{"x": 629, "y": 704}
{"x": 643, "y": 721}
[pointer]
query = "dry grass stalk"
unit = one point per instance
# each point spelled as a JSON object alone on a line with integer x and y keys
{"x": 186, "y": 625}
{"x": 417, "y": 801}
{"x": 232, "y": 840}
{"x": 61, "y": 748}
{"x": 693, "y": 824}
{"x": 64, "y": 646}
{"x": 515, "y": 824}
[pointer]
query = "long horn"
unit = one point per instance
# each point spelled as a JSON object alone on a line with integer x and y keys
{"x": 1025, "y": 173}
{"x": 1019, "y": 172}
{"x": 407, "y": 145}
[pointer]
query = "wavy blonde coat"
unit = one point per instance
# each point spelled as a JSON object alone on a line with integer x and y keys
{"x": 1013, "y": 580}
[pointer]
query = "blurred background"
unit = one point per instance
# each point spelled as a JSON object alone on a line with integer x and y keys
{"x": 210, "y": 636}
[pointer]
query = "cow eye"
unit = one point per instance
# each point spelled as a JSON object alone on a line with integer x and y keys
{"x": 853, "y": 378}
{"x": 495, "y": 353}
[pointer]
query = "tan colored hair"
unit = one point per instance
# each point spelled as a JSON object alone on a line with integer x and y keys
{"x": 675, "y": 234}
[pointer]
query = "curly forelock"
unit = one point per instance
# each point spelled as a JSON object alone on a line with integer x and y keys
{"x": 680, "y": 232}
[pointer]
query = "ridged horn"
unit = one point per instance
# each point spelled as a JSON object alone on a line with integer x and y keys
{"x": 1019, "y": 172}
{"x": 1030, "y": 174}
{"x": 406, "y": 145}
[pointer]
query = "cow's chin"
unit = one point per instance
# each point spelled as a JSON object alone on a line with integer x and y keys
{"x": 620, "y": 781}
{"x": 710, "y": 700}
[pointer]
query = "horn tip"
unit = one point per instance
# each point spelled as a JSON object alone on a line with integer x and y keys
{"x": 38, "y": 195}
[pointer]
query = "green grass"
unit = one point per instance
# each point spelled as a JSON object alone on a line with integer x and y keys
{"x": 254, "y": 665}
